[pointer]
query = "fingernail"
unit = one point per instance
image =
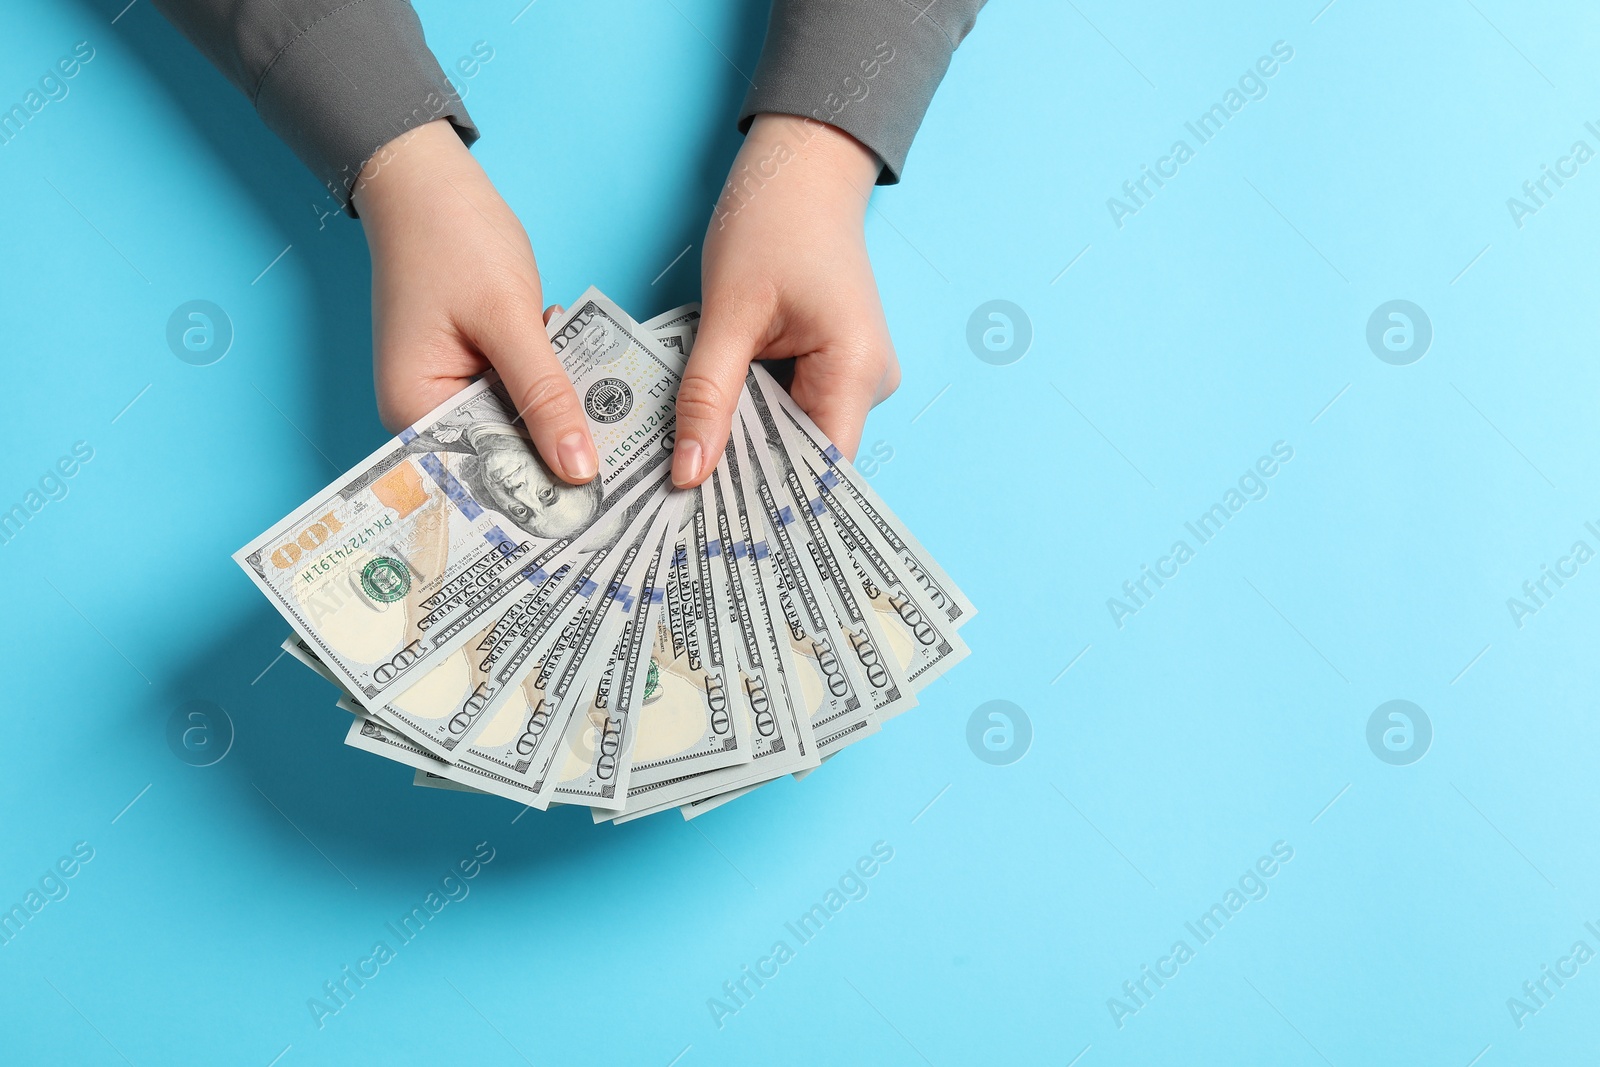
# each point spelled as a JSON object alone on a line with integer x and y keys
{"x": 685, "y": 461}
{"x": 577, "y": 457}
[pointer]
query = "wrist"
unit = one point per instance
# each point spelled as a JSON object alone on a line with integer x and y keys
{"x": 830, "y": 162}
{"x": 407, "y": 172}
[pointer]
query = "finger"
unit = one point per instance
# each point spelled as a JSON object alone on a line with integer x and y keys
{"x": 515, "y": 343}
{"x": 399, "y": 407}
{"x": 730, "y": 334}
{"x": 416, "y": 370}
{"x": 838, "y": 399}
{"x": 551, "y": 312}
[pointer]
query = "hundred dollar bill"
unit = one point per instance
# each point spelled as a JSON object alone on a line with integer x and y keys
{"x": 372, "y": 735}
{"x": 925, "y": 645}
{"x": 825, "y": 680}
{"x": 296, "y": 646}
{"x": 782, "y": 741}
{"x": 596, "y": 758}
{"x": 429, "y": 780}
{"x": 932, "y": 585}
{"x": 748, "y": 563}
{"x": 445, "y": 710}
{"x": 920, "y": 634}
{"x": 900, "y": 634}
{"x": 436, "y": 718}
{"x": 771, "y": 678}
{"x": 695, "y": 808}
{"x": 812, "y": 535}
{"x": 702, "y": 687}
{"x": 524, "y": 719}
{"x": 400, "y": 561}
{"x": 509, "y": 758}
{"x": 689, "y": 722}
{"x": 497, "y": 759}
{"x": 585, "y": 648}
{"x": 528, "y": 629}
{"x": 782, "y": 519}
{"x": 592, "y": 767}
{"x": 690, "y": 719}
{"x": 369, "y": 735}
{"x": 676, "y": 329}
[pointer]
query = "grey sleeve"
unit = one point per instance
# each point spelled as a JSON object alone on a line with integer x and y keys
{"x": 869, "y": 67}
{"x": 335, "y": 79}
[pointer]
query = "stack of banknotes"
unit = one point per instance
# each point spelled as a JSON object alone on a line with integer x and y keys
{"x": 624, "y": 644}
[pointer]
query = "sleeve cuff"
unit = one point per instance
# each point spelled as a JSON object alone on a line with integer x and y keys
{"x": 868, "y": 67}
{"x": 353, "y": 81}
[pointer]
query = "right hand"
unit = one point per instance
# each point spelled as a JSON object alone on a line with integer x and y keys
{"x": 786, "y": 274}
{"x": 455, "y": 290}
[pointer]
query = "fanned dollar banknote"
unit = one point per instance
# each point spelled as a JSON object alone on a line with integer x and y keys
{"x": 622, "y": 645}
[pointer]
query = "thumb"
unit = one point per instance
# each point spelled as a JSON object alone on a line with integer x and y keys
{"x": 728, "y": 339}
{"x": 517, "y": 346}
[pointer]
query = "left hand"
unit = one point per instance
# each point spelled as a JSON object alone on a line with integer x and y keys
{"x": 785, "y": 274}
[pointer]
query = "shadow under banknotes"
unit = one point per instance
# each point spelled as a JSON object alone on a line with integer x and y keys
{"x": 277, "y": 738}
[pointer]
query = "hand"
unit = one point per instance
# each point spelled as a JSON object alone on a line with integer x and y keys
{"x": 455, "y": 290}
{"x": 785, "y": 273}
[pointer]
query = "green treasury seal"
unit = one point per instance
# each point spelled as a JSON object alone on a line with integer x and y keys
{"x": 652, "y": 681}
{"x": 386, "y": 580}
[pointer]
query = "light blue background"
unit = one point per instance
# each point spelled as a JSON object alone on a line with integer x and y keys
{"x": 1228, "y": 714}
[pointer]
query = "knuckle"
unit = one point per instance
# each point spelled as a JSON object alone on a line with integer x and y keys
{"x": 891, "y": 382}
{"x": 510, "y": 295}
{"x": 891, "y": 377}
{"x": 700, "y": 400}
{"x": 546, "y": 399}
{"x": 509, "y": 308}
{"x": 870, "y": 354}
{"x": 858, "y": 358}
{"x": 731, "y": 287}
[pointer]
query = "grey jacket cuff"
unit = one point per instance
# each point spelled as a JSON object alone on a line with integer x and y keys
{"x": 335, "y": 80}
{"x": 868, "y": 67}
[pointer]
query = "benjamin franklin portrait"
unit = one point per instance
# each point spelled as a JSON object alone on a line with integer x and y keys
{"x": 501, "y": 469}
